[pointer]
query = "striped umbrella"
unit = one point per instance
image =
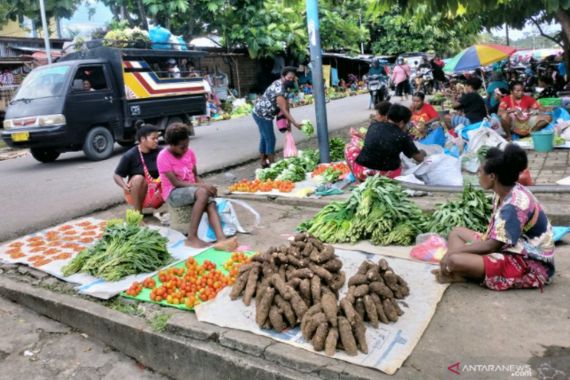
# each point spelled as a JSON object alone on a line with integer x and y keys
{"x": 477, "y": 56}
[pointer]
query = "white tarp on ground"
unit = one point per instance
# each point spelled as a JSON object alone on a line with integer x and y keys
{"x": 88, "y": 284}
{"x": 388, "y": 346}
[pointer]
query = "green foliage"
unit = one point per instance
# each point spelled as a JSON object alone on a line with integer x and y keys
{"x": 159, "y": 321}
{"x": 396, "y": 32}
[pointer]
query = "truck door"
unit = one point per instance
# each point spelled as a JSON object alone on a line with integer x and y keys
{"x": 92, "y": 101}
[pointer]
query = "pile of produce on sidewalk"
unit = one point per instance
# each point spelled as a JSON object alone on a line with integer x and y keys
{"x": 381, "y": 211}
{"x": 125, "y": 248}
{"x": 300, "y": 284}
{"x": 192, "y": 281}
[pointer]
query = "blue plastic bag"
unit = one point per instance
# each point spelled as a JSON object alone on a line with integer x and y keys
{"x": 159, "y": 37}
{"x": 181, "y": 43}
{"x": 559, "y": 232}
{"x": 435, "y": 137}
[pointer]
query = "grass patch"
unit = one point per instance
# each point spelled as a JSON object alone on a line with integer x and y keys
{"x": 159, "y": 321}
{"x": 127, "y": 308}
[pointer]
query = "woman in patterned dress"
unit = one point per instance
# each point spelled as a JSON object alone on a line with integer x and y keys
{"x": 273, "y": 102}
{"x": 517, "y": 251}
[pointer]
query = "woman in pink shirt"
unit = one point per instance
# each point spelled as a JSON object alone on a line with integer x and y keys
{"x": 181, "y": 186}
{"x": 401, "y": 78}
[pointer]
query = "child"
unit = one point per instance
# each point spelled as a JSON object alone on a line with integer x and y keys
{"x": 181, "y": 186}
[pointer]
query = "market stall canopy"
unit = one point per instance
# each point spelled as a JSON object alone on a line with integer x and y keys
{"x": 477, "y": 56}
{"x": 523, "y": 56}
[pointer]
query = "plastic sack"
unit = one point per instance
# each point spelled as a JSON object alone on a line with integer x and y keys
{"x": 159, "y": 37}
{"x": 228, "y": 217}
{"x": 429, "y": 248}
{"x": 435, "y": 137}
{"x": 430, "y": 149}
{"x": 173, "y": 43}
{"x": 181, "y": 43}
{"x": 290, "y": 149}
{"x": 485, "y": 137}
{"x": 440, "y": 170}
{"x": 470, "y": 162}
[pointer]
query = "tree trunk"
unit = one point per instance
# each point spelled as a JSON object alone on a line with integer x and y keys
{"x": 563, "y": 17}
{"x": 142, "y": 15}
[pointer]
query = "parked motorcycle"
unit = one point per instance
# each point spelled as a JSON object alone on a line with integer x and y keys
{"x": 424, "y": 81}
{"x": 378, "y": 89}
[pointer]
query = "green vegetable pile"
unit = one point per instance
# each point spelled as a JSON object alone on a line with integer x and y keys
{"x": 307, "y": 128}
{"x": 242, "y": 110}
{"x": 378, "y": 210}
{"x": 126, "y": 248}
{"x": 336, "y": 149}
{"x": 292, "y": 168}
{"x": 331, "y": 175}
{"x": 559, "y": 140}
{"x": 472, "y": 211}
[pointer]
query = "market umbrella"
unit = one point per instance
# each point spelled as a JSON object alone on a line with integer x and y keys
{"x": 477, "y": 56}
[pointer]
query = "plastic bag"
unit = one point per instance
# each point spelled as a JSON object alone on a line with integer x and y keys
{"x": 435, "y": 137}
{"x": 440, "y": 170}
{"x": 159, "y": 37}
{"x": 228, "y": 217}
{"x": 430, "y": 248}
{"x": 290, "y": 149}
{"x": 485, "y": 137}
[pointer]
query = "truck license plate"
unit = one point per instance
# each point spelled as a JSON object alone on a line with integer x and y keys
{"x": 20, "y": 136}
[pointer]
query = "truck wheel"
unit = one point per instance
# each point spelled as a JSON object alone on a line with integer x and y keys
{"x": 98, "y": 144}
{"x": 44, "y": 155}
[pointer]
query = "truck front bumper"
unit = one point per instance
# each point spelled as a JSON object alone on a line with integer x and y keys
{"x": 41, "y": 137}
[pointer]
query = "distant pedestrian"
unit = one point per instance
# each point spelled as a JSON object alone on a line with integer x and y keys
{"x": 268, "y": 106}
{"x": 401, "y": 78}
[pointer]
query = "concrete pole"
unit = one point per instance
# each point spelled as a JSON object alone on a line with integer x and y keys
{"x": 318, "y": 82}
{"x": 46, "y": 31}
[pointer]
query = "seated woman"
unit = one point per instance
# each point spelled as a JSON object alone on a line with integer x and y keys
{"x": 138, "y": 165}
{"x": 517, "y": 251}
{"x": 471, "y": 104}
{"x": 521, "y": 114}
{"x": 424, "y": 117}
{"x": 384, "y": 142}
{"x": 181, "y": 187}
{"x": 354, "y": 147}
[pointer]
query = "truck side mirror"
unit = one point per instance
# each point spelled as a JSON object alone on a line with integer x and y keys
{"x": 77, "y": 85}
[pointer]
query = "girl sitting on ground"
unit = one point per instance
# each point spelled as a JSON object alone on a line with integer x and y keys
{"x": 181, "y": 187}
{"x": 517, "y": 251}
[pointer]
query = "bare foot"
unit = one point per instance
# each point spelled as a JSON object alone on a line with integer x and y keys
{"x": 195, "y": 243}
{"x": 228, "y": 245}
{"x": 447, "y": 279}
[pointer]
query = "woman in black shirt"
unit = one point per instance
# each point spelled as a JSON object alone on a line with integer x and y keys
{"x": 138, "y": 166}
{"x": 383, "y": 144}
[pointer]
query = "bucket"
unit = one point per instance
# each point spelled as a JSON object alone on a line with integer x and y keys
{"x": 543, "y": 141}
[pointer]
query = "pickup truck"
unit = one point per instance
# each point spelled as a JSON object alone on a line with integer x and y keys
{"x": 89, "y": 100}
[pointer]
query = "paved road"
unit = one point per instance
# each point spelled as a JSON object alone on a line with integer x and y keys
{"x": 36, "y": 347}
{"x": 36, "y": 195}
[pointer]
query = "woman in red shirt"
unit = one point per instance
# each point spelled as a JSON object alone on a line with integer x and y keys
{"x": 521, "y": 114}
{"x": 424, "y": 117}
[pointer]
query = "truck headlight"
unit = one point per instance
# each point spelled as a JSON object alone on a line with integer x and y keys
{"x": 8, "y": 124}
{"x": 49, "y": 120}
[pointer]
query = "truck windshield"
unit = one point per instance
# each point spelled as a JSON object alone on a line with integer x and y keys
{"x": 43, "y": 82}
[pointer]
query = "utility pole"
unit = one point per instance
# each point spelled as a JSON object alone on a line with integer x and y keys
{"x": 46, "y": 31}
{"x": 507, "y": 34}
{"x": 318, "y": 82}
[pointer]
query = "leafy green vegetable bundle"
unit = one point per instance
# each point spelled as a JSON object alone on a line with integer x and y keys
{"x": 126, "y": 248}
{"x": 378, "y": 210}
{"x": 290, "y": 169}
{"x": 473, "y": 211}
{"x": 307, "y": 128}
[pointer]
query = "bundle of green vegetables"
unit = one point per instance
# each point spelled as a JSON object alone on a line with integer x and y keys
{"x": 307, "y": 128}
{"x": 126, "y": 248}
{"x": 378, "y": 210}
{"x": 292, "y": 168}
{"x": 336, "y": 149}
{"x": 473, "y": 211}
{"x": 242, "y": 110}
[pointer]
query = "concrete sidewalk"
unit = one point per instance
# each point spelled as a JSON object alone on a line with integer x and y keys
{"x": 472, "y": 325}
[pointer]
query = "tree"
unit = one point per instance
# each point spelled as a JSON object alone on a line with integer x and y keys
{"x": 16, "y": 10}
{"x": 493, "y": 13}
{"x": 396, "y": 32}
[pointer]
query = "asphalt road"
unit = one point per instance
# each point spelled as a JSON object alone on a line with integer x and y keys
{"x": 35, "y": 195}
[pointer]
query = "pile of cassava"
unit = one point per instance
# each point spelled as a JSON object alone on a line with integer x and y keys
{"x": 301, "y": 283}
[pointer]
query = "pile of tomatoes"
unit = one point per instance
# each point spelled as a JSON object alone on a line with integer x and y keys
{"x": 342, "y": 167}
{"x": 192, "y": 284}
{"x": 254, "y": 186}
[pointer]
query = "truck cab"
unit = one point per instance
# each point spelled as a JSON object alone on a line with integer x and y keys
{"x": 92, "y": 99}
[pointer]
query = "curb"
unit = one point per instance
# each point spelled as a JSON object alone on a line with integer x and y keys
{"x": 187, "y": 348}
